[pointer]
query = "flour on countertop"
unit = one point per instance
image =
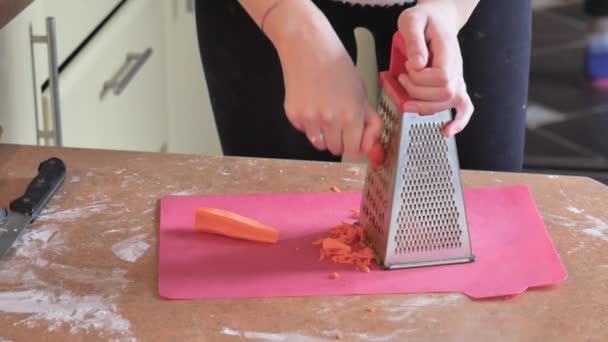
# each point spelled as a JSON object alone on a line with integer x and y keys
{"x": 393, "y": 335}
{"x": 574, "y": 210}
{"x": 59, "y": 308}
{"x": 405, "y": 309}
{"x": 184, "y": 192}
{"x": 272, "y": 337}
{"x": 131, "y": 249}
{"x": 281, "y": 337}
{"x": 591, "y": 225}
{"x": 351, "y": 180}
{"x": 598, "y": 228}
{"x": 230, "y": 332}
{"x": 53, "y": 213}
{"x": 52, "y": 304}
{"x": 552, "y": 176}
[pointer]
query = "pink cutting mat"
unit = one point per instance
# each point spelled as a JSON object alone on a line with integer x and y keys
{"x": 513, "y": 249}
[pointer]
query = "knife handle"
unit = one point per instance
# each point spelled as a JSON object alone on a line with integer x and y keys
{"x": 51, "y": 173}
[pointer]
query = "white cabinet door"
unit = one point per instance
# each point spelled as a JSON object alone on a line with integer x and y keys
{"x": 191, "y": 124}
{"x": 17, "y": 97}
{"x": 75, "y": 20}
{"x": 136, "y": 118}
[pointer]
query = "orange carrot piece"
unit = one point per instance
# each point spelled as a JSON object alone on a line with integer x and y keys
{"x": 335, "y": 188}
{"x": 333, "y": 245}
{"x": 371, "y": 309}
{"x": 376, "y": 155}
{"x": 334, "y": 275}
{"x": 346, "y": 245}
{"x": 339, "y": 336}
{"x": 230, "y": 224}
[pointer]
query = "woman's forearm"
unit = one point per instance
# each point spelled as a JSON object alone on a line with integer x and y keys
{"x": 283, "y": 20}
{"x": 289, "y": 22}
{"x": 461, "y": 9}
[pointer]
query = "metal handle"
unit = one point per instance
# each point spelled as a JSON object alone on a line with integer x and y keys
{"x": 136, "y": 60}
{"x": 50, "y": 40}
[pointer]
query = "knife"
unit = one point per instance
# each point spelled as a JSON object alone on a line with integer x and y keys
{"x": 25, "y": 209}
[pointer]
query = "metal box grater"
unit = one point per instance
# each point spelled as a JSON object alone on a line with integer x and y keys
{"x": 413, "y": 207}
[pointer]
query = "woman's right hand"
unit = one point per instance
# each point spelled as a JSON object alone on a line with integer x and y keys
{"x": 325, "y": 96}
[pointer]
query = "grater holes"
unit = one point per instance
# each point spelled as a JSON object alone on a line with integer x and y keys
{"x": 427, "y": 194}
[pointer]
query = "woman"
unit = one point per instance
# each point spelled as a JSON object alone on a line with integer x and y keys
{"x": 283, "y": 84}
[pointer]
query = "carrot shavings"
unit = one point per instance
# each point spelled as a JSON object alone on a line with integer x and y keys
{"x": 346, "y": 245}
{"x": 339, "y": 336}
{"x": 335, "y": 189}
{"x": 334, "y": 275}
{"x": 371, "y": 309}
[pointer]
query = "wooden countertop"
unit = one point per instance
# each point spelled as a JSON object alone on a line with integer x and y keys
{"x": 10, "y": 9}
{"x": 87, "y": 269}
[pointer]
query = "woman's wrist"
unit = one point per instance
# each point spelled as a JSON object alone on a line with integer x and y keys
{"x": 460, "y": 10}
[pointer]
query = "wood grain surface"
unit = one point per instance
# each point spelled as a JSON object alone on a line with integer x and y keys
{"x": 87, "y": 269}
{"x": 10, "y": 9}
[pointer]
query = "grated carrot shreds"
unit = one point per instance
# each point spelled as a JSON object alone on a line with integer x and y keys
{"x": 346, "y": 245}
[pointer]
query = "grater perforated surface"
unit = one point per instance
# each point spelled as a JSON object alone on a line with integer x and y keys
{"x": 412, "y": 208}
{"x": 375, "y": 208}
{"x": 428, "y": 217}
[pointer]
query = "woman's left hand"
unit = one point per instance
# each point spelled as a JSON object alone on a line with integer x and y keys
{"x": 434, "y": 78}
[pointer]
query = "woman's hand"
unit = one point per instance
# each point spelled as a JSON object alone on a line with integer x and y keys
{"x": 434, "y": 76}
{"x": 325, "y": 96}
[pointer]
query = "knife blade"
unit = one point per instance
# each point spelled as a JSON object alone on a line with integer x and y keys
{"x": 25, "y": 209}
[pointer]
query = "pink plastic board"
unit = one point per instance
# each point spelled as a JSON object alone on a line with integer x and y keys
{"x": 513, "y": 248}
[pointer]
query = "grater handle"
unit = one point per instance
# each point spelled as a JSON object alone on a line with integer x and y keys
{"x": 388, "y": 79}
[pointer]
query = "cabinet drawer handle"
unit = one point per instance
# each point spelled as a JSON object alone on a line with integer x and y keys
{"x": 119, "y": 84}
{"x": 51, "y": 44}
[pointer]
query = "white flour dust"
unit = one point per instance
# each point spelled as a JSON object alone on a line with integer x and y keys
{"x": 597, "y": 229}
{"x": 132, "y": 248}
{"x": 352, "y": 180}
{"x": 51, "y": 304}
{"x": 271, "y": 337}
{"x": 74, "y": 179}
{"x": 404, "y": 310}
{"x": 590, "y": 225}
{"x": 38, "y": 289}
{"x": 230, "y": 332}
{"x": 552, "y": 176}
{"x": 59, "y": 308}
{"x": 393, "y": 335}
{"x": 53, "y": 213}
{"x": 574, "y": 209}
{"x": 184, "y": 193}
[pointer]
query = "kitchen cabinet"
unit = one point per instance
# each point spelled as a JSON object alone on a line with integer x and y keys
{"x": 17, "y": 98}
{"x": 191, "y": 124}
{"x": 145, "y": 48}
{"x": 113, "y": 92}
